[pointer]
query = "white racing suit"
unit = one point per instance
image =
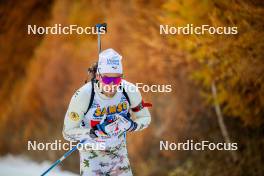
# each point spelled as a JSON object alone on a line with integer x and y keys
{"x": 113, "y": 159}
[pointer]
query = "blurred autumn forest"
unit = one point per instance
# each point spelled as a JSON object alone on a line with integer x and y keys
{"x": 39, "y": 74}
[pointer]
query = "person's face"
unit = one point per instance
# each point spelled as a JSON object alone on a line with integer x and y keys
{"x": 109, "y": 82}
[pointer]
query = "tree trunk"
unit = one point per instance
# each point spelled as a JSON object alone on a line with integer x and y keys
{"x": 221, "y": 122}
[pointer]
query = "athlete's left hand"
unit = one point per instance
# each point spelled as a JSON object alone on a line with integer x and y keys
{"x": 125, "y": 123}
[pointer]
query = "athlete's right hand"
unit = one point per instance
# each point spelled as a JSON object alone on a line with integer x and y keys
{"x": 108, "y": 126}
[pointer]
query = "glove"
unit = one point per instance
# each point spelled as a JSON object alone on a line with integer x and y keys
{"x": 125, "y": 123}
{"x": 108, "y": 127}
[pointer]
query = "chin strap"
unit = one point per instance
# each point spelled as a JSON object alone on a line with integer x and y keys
{"x": 140, "y": 106}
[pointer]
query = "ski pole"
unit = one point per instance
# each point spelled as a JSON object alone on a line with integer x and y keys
{"x": 62, "y": 158}
{"x": 99, "y": 30}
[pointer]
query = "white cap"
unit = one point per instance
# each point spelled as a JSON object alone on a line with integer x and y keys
{"x": 109, "y": 62}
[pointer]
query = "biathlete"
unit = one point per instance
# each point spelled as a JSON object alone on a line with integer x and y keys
{"x": 100, "y": 113}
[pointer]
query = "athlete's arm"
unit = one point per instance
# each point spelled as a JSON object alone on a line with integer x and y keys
{"x": 72, "y": 130}
{"x": 142, "y": 115}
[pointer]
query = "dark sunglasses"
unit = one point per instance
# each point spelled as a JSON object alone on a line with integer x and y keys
{"x": 109, "y": 80}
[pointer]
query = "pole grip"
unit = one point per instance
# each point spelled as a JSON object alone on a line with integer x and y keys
{"x": 101, "y": 25}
